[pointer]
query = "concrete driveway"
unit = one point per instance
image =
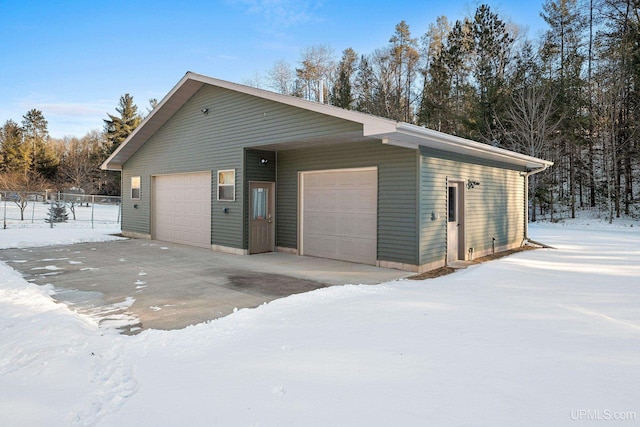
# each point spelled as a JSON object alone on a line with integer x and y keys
{"x": 141, "y": 284}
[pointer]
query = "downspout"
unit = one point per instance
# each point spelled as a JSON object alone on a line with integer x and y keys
{"x": 526, "y": 196}
{"x": 275, "y": 203}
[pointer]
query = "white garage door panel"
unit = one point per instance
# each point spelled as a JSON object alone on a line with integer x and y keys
{"x": 340, "y": 215}
{"x": 345, "y": 225}
{"x": 183, "y": 209}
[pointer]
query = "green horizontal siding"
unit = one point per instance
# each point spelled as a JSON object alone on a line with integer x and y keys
{"x": 397, "y": 190}
{"x": 191, "y": 141}
{"x": 494, "y": 209}
{"x": 137, "y": 218}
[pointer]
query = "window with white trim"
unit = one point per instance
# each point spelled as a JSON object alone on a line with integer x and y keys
{"x": 227, "y": 185}
{"x": 135, "y": 188}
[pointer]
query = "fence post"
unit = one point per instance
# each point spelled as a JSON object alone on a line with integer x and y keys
{"x": 93, "y": 203}
{"x": 33, "y": 209}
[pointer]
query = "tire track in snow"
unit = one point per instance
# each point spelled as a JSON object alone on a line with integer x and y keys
{"x": 584, "y": 311}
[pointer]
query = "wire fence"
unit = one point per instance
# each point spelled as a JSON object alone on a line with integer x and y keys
{"x": 53, "y": 209}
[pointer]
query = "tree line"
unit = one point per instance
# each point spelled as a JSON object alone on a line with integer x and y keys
{"x": 32, "y": 161}
{"x": 571, "y": 96}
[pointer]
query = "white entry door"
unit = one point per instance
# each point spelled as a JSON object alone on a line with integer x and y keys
{"x": 339, "y": 214}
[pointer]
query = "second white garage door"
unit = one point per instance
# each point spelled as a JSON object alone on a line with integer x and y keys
{"x": 339, "y": 214}
{"x": 182, "y": 207}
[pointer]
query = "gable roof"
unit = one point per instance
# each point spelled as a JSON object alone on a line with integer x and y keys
{"x": 388, "y": 131}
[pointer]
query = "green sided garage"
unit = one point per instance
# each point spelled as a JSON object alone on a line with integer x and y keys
{"x": 242, "y": 170}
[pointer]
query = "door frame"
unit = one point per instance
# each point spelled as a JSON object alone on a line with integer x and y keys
{"x": 271, "y": 209}
{"x": 461, "y": 217}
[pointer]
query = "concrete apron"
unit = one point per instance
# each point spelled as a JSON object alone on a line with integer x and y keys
{"x": 140, "y": 284}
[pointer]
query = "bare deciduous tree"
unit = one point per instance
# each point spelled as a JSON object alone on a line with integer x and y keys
{"x": 22, "y": 185}
{"x": 532, "y": 128}
{"x": 316, "y": 73}
{"x": 281, "y": 77}
{"x": 80, "y": 165}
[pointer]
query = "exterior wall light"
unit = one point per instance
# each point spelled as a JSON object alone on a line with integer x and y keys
{"x": 205, "y": 111}
{"x": 472, "y": 184}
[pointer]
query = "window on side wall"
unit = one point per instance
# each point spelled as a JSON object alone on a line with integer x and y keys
{"x": 135, "y": 188}
{"x": 227, "y": 185}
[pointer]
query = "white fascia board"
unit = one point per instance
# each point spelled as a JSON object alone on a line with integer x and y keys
{"x": 390, "y": 140}
{"x": 373, "y": 127}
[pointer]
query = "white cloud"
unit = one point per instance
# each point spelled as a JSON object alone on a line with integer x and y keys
{"x": 67, "y": 118}
{"x": 61, "y": 126}
{"x": 74, "y": 119}
{"x": 64, "y": 119}
{"x": 72, "y": 109}
{"x": 281, "y": 14}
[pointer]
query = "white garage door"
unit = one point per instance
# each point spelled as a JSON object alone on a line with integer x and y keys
{"x": 339, "y": 214}
{"x": 183, "y": 208}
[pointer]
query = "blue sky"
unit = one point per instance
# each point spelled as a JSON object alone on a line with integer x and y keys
{"x": 74, "y": 59}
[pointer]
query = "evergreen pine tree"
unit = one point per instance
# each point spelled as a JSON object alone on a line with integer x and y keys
{"x": 433, "y": 111}
{"x": 364, "y": 83}
{"x": 118, "y": 128}
{"x": 342, "y": 95}
{"x": 57, "y": 213}
{"x": 492, "y": 44}
{"x": 36, "y": 139}
{"x": 15, "y": 155}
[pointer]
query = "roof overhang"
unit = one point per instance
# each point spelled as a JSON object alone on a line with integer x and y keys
{"x": 373, "y": 127}
{"x": 412, "y": 136}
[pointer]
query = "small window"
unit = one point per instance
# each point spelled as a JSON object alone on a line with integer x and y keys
{"x": 259, "y": 203}
{"x": 452, "y": 204}
{"x": 135, "y": 187}
{"x": 227, "y": 185}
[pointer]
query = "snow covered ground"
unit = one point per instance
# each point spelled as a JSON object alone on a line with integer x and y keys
{"x": 90, "y": 215}
{"x": 546, "y": 337}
